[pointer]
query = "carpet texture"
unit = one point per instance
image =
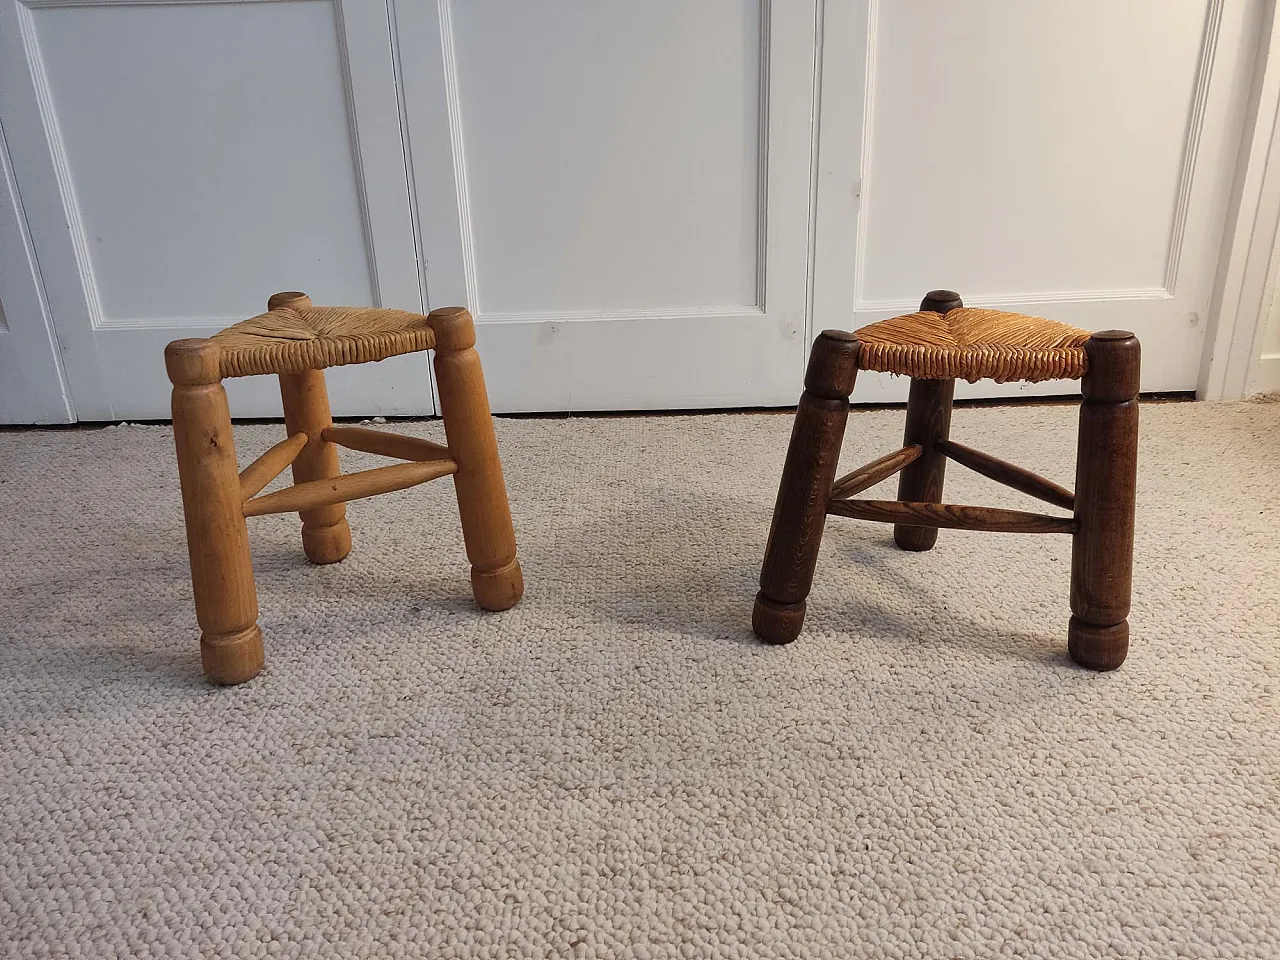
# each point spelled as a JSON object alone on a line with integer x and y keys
{"x": 615, "y": 768}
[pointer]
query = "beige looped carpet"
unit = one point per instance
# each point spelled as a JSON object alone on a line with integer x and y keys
{"x": 615, "y": 768}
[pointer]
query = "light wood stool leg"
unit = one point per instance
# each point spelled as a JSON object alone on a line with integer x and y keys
{"x": 801, "y": 509}
{"x": 217, "y": 538}
{"x": 496, "y": 579}
{"x": 928, "y": 420}
{"x": 326, "y": 535}
{"x": 1106, "y": 490}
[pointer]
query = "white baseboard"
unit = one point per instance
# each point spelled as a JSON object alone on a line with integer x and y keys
{"x": 1268, "y": 378}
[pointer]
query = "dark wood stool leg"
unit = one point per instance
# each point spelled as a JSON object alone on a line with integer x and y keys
{"x": 217, "y": 539}
{"x": 928, "y": 420}
{"x": 810, "y": 470}
{"x": 1106, "y": 484}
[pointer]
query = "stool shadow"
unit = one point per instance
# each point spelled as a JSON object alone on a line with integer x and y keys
{"x": 870, "y": 554}
{"x": 666, "y": 561}
{"x": 127, "y": 624}
{"x": 643, "y": 559}
{"x": 655, "y": 559}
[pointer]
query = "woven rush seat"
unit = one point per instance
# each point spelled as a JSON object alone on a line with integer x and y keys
{"x": 972, "y": 345}
{"x": 293, "y": 336}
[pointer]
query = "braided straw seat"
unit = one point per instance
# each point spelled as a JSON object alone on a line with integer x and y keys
{"x": 294, "y": 336}
{"x": 974, "y": 345}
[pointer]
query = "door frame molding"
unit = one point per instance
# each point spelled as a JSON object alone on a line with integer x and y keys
{"x": 1244, "y": 300}
{"x": 32, "y": 392}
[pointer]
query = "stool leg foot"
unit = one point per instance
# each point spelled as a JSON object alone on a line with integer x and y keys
{"x": 1098, "y": 648}
{"x": 217, "y": 539}
{"x": 1106, "y": 485}
{"x": 232, "y": 658}
{"x": 326, "y": 535}
{"x": 777, "y": 623}
{"x": 496, "y": 579}
{"x": 800, "y": 512}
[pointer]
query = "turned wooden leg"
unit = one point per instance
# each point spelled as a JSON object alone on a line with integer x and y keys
{"x": 801, "y": 509}
{"x": 928, "y": 420}
{"x": 326, "y": 535}
{"x": 217, "y": 539}
{"x": 1106, "y": 485}
{"x": 496, "y": 579}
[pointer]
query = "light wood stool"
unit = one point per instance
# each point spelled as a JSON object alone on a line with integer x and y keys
{"x": 933, "y": 347}
{"x": 296, "y": 341}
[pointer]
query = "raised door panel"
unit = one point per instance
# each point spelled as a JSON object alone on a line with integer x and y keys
{"x": 621, "y": 173}
{"x": 622, "y": 196}
{"x": 1072, "y": 160}
{"x": 201, "y": 156}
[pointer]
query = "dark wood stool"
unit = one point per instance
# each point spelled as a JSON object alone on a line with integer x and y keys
{"x": 943, "y": 341}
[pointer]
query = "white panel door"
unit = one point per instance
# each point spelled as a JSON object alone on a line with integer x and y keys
{"x": 32, "y": 389}
{"x": 620, "y": 192}
{"x": 1069, "y": 158}
{"x": 179, "y": 162}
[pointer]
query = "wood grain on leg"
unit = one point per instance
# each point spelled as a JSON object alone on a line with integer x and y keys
{"x": 1106, "y": 487}
{"x": 217, "y": 540}
{"x": 852, "y": 484}
{"x": 350, "y": 486}
{"x": 326, "y": 535}
{"x": 256, "y": 476}
{"x": 807, "y": 477}
{"x": 496, "y": 578}
{"x": 928, "y": 419}
{"x": 952, "y": 516}
{"x": 385, "y": 444}
{"x": 1009, "y": 474}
